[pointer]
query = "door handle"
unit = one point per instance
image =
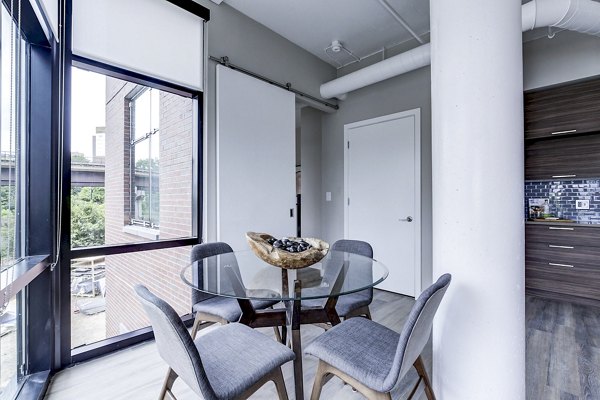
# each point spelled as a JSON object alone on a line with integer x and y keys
{"x": 407, "y": 219}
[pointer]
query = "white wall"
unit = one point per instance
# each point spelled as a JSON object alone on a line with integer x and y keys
{"x": 568, "y": 56}
{"x": 310, "y": 126}
{"x": 258, "y": 49}
{"x": 405, "y": 92}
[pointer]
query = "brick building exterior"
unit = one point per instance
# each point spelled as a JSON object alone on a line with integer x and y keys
{"x": 157, "y": 269}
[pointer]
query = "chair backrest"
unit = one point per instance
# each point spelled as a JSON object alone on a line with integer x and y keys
{"x": 200, "y": 252}
{"x": 174, "y": 343}
{"x": 353, "y": 246}
{"x": 416, "y": 330}
{"x": 362, "y": 249}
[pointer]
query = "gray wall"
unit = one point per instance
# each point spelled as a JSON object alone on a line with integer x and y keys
{"x": 568, "y": 56}
{"x": 411, "y": 90}
{"x": 256, "y": 48}
{"x": 310, "y": 156}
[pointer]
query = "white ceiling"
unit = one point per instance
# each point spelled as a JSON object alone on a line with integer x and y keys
{"x": 363, "y": 26}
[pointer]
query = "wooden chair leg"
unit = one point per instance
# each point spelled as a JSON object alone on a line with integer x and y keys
{"x": 277, "y": 334}
{"x": 280, "y": 384}
{"x": 197, "y": 322}
{"x": 420, "y": 367}
{"x": 319, "y": 381}
{"x": 168, "y": 385}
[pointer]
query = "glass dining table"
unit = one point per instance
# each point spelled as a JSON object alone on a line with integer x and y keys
{"x": 245, "y": 277}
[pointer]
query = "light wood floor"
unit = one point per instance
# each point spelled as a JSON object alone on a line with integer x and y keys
{"x": 563, "y": 359}
{"x": 137, "y": 372}
{"x": 563, "y": 350}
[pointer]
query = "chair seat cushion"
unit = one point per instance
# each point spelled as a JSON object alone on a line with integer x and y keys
{"x": 235, "y": 357}
{"x": 227, "y": 308}
{"x": 359, "y": 347}
{"x": 345, "y": 303}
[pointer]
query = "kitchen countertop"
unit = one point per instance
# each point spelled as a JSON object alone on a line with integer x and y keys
{"x": 573, "y": 223}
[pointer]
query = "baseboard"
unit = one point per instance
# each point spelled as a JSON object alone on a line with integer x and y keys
{"x": 563, "y": 297}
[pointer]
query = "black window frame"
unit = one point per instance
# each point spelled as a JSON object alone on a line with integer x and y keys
{"x": 37, "y": 205}
{"x": 47, "y": 333}
{"x": 68, "y": 254}
{"x": 65, "y": 355}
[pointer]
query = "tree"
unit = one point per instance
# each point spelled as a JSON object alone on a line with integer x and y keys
{"x": 144, "y": 163}
{"x": 87, "y": 216}
{"x": 79, "y": 158}
{"x": 8, "y": 226}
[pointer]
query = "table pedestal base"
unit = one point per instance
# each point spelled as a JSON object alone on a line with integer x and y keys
{"x": 290, "y": 319}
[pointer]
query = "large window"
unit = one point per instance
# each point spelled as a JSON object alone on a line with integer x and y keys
{"x": 132, "y": 181}
{"x": 13, "y": 86}
{"x": 134, "y": 140}
{"x": 131, "y": 162}
{"x": 145, "y": 125}
{"x": 13, "y": 90}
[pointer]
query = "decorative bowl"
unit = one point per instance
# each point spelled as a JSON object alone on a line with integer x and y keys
{"x": 278, "y": 257}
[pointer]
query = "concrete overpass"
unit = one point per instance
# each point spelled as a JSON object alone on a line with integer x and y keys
{"x": 82, "y": 174}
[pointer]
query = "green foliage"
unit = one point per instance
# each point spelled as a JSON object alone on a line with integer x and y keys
{"x": 144, "y": 163}
{"x": 87, "y": 216}
{"x": 79, "y": 158}
{"x": 8, "y": 226}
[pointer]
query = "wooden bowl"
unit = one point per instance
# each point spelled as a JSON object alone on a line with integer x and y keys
{"x": 280, "y": 258}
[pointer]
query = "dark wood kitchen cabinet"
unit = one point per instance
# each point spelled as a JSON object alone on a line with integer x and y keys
{"x": 562, "y": 143}
{"x": 563, "y": 261}
{"x": 564, "y": 158}
{"x": 563, "y": 111}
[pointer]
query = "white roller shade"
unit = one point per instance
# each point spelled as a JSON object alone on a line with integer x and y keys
{"x": 151, "y": 37}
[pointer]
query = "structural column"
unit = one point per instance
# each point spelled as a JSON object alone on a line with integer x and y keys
{"x": 478, "y": 224}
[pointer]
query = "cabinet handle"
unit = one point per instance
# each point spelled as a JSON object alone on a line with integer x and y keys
{"x": 561, "y": 132}
{"x": 560, "y": 265}
{"x": 554, "y": 246}
{"x": 556, "y": 228}
{"x": 565, "y": 176}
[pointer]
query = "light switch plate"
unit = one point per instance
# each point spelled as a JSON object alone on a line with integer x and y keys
{"x": 582, "y": 204}
{"x": 327, "y": 196}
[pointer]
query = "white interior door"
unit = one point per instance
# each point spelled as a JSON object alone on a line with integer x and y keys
{"x": 382, "y": 189}
{"x": 256, "y": 171}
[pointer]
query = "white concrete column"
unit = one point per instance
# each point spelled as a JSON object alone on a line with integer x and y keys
{"x": 478, "y": 215}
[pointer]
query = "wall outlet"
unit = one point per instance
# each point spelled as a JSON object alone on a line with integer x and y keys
{"x": 582, "y": 204}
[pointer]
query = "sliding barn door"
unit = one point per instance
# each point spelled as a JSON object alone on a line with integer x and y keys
{"x": 255, "y": 158}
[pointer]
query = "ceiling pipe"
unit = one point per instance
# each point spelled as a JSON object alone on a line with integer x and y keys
{"x": 393, "y": 66}
{"x": 575, "y": 15}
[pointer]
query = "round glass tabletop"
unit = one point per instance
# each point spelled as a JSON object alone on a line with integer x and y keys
{"x": 243, "y": 275}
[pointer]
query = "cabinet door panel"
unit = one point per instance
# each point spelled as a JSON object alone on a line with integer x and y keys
{"x": 558, "y": 254}
{"x": 571, "y": 109}
{"x": 566, "y": 235}
{"x": 577, "y": 281}
{"x": 563, "y": 158}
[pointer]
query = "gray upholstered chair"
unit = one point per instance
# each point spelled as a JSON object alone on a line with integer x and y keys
{"x": 372, "y": 358}
{"x": 354, "y": 304}
{"x": 231, "y": 362}
{"x": 217, "y": 309}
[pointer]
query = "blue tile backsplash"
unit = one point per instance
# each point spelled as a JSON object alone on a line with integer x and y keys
{"x": 561, "y": 196}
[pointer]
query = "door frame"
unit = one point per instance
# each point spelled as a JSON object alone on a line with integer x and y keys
{"x": 417, "y": 221}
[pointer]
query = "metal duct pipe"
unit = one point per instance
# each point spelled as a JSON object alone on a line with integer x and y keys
{"x": 576, "y": 15}
{"x": 393, "y": 66}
